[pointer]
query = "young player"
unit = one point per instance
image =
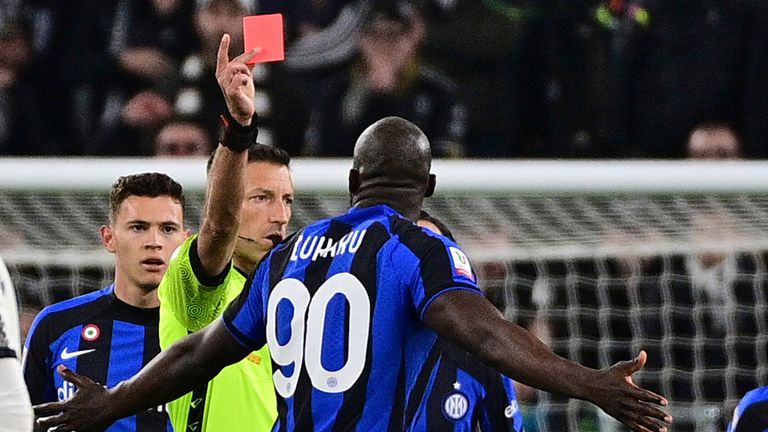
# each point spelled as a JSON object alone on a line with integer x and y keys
{"x": 15, "y": 408}
{"x": 247, "y": 211}
{"x": 348, "y": 305}
{"x": 110, "y": 334}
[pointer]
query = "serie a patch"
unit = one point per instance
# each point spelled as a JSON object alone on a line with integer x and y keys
{"x": 461, "y": 264}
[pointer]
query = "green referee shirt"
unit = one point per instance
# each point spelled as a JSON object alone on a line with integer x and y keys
{"x": 242, "y": 396}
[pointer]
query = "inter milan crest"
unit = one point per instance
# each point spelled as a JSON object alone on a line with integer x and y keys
{"x": 456, "y": 404}
{"x": 91, "y": 332}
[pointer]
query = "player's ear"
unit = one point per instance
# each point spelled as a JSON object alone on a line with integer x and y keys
{"x": 354, "y": 181}
{"x": 430, "y": 186}
{"x": 107, "y": 238}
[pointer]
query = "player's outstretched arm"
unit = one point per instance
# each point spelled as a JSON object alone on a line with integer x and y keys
{"x": 516, "y": 353}
{"x": 190, "y": 362}
{"x": 226, "y": 184}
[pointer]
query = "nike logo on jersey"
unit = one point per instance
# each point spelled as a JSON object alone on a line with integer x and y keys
{"x": 66, "y": 355}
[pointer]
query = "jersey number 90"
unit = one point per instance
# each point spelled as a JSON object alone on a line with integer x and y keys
{"x": 304, "y": 347}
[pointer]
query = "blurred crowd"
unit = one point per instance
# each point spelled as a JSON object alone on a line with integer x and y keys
{"x": 482, "y": 78}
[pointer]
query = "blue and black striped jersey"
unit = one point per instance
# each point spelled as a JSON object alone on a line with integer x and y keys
{"x": 98, "y": 336}
{"x": 458, "y": 393}
{"x": 752, "y": 413}
{"x": 340, "y": 304}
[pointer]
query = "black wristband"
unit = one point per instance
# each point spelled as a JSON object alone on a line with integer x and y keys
{"x": 235, "y": 136}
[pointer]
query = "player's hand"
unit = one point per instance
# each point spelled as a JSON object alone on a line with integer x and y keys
{"x": 618, "y": 396}
{"x": 87, "y": 411}
{"x": 236, "y": 82}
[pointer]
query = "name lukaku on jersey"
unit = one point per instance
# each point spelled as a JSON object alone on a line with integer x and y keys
{"x": 314, "y": 247}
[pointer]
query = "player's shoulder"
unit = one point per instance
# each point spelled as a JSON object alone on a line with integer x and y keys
{"x": 417, "y": 238}
{"x": 71, "y": 312}
{"x": 78, "y": 302}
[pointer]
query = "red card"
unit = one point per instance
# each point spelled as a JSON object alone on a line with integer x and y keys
{"x": 265, "y": 32}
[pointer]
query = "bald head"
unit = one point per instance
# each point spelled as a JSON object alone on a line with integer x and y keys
{"x": 391, "y": 160}
{"x": 392, "y": 147}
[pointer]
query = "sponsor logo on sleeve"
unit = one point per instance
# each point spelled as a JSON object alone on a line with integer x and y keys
{"x": 461, "y": 264}
{"x": 511, "y": 409}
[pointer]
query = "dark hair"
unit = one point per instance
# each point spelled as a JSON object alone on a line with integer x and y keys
{"x": 150, "y": 185}
{"x": 438, "y": 223}
{"x": 261, "y": 153}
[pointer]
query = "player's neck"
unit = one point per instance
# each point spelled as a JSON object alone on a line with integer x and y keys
{"x": 135, "y": 295}
{"x": 403, "y": 206}
{"x": 406, "y": 199}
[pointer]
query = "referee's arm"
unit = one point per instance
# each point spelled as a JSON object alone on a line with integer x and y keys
{"x": 188, "y": 363}
{"x": 226, "y": 178}
{"x": 476, "y": 325}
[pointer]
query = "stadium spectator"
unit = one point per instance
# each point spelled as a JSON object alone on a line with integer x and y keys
{"x": 159, "y": 36}
{"x": 75, "y": 36}
{"x": 198, "y": 96}
{"x": 171, "y": 70}
{"x": 132, "y": 134}
{"x": 182, "y": 138}
{"x": 676, "y": 62}
{"x": 576, "y": 41}
{"x": 714, "y": 141}
{"x": 149, "y": 40}
{"x": 384, "y": 283}
{"x": 23, "y": 129}
{"x": 461, "y": 392}
{"x": 110, "y": 334}
{"x": 752, "y": 412}
{"x": 247, "y": 211}
{"x": 15, "y": 409}
{"x": 322, "y": 39}
{"x": 388, "y": 79}
{"x": 496, "y": 53}
{"x": 319, "y": 35}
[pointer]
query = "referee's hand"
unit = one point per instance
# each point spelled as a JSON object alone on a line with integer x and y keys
{"x": 620, "y": 397}
{"x": 236, "y": 82}
{"x": 87, "y": 411}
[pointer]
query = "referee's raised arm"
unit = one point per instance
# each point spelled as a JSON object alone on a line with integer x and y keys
{"x": 226, "y": 184}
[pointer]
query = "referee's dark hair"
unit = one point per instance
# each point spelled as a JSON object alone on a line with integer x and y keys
{"x": 149, "y": 185}
{"x": 261, "y": 153}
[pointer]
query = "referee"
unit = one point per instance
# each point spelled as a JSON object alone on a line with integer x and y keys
{"x": 247, "y": 211}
